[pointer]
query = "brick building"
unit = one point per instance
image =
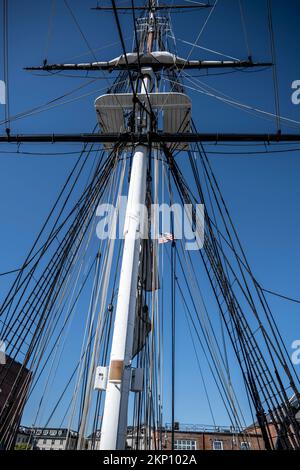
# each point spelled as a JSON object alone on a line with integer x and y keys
{"x": 187, "y": 437}
{"x": 211, "y": 438}
{"x": 14, "y": 383}
{"x": 46, "y": 439}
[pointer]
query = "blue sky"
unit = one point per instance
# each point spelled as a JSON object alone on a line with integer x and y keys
{"x": 262, "y": 191}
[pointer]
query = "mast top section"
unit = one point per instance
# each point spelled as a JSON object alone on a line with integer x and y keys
{"x": 151, "y": 28}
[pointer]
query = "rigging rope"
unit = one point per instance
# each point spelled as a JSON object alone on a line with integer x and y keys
{"x": 50, "y": 28}
{"x": 274, "y": 60}
{"x": 208, "y": 50}
{"x": 235, "y": 103}
{"x": 49, "y": 104}
{"x": 80, "y": 30}
{"x": 6, "y": 63}
{"x": 276, "y": 294}
{"x": 261, "y": 380}
{"x": 201, "y": 31}
{"x": 244, "y": 26}
{"x": 37, "y": 334}
{"x": 173, "y": 332}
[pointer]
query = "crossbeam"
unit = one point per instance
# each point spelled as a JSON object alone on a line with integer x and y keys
{"x": 155, "y": 65}
{"x": 157, "y": 7}
{"x": 155, "y": 137}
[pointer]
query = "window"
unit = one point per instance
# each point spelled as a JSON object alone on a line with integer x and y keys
{"x": 45, "y": 441}
{"x": 52, "y": 442}
{"x": 245, "y": 445}
{"x": 217, "y": 445}
{"x": 184, "y": 445}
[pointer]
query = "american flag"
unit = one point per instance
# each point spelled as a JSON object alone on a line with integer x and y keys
{"x": 165, "y": 238}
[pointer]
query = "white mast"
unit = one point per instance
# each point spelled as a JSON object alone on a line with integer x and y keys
{"x": 114, "y": 425}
